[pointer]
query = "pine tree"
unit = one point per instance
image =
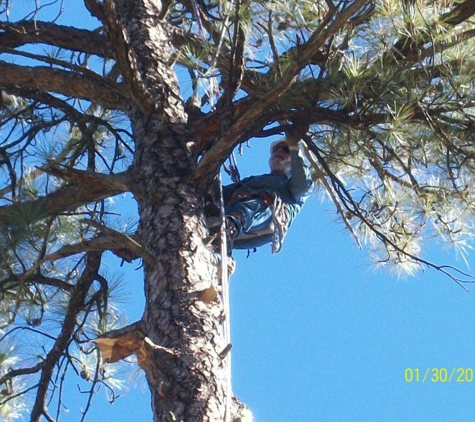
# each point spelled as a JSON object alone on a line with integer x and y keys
{"x": 148, "y": 99}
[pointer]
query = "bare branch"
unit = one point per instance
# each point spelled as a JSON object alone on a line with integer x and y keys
{"x": 122, "y": 242}
{"x": 86, "y": 187}
{"x": 21, "y": 371}
{"x": 75, "y": 304}
{"x": 99, "y": 90}
{"x": 36, "y": 32}
{"x": 126, "y": 247}
{"x": 28, "y": 276}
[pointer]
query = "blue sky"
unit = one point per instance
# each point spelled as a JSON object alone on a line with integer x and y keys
{"x": 317, "y": 335}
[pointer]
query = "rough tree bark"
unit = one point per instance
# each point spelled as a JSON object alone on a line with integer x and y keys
{"x": 188, "y": 381}
{"x": 181, "y": 358}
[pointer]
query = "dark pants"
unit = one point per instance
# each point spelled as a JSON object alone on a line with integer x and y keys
{"x": 251, "y": 214}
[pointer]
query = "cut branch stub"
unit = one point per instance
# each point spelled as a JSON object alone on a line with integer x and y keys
{"x": 122, "y": 343}
{"x": 131, "y": 340}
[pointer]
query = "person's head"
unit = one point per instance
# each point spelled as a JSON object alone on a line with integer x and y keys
{"x": 279, "y": 160}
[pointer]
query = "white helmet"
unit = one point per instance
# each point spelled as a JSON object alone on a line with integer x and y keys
{"x": 279, "y": 141}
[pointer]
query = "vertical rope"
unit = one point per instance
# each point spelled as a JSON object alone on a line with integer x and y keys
{"x": 225, "y": 295}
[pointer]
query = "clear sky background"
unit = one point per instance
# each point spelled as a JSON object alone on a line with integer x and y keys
{"x": 317, "y": 335}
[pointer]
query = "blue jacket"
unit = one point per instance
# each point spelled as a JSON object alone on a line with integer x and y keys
{"x": 293, "y": 190}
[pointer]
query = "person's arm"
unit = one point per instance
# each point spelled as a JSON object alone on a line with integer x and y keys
{"x": 301, "y": 182}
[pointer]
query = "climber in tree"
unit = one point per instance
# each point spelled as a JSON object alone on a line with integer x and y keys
{"x": 259, "y": 209}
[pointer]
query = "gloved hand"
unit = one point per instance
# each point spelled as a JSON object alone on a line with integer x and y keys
{"x": 294, "y": 135}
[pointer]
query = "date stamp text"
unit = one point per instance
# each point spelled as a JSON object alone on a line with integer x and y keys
{"x": 439, "y": 375}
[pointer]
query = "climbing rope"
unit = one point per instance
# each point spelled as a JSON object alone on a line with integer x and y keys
{"x": 225, "y": 295}
{"x": 280, "y": 222}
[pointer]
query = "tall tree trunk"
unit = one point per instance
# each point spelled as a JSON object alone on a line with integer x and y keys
{"x": 185, "y": 373}
{"x": 184, "y": 334}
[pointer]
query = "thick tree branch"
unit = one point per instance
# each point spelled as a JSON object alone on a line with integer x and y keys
{"x": 98, "y": 90}
{"x": 123, "y": 342}
{"x": 86, "y": 187}
{"x": 36, "y": 32}
{"x": 460, "y": 13}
